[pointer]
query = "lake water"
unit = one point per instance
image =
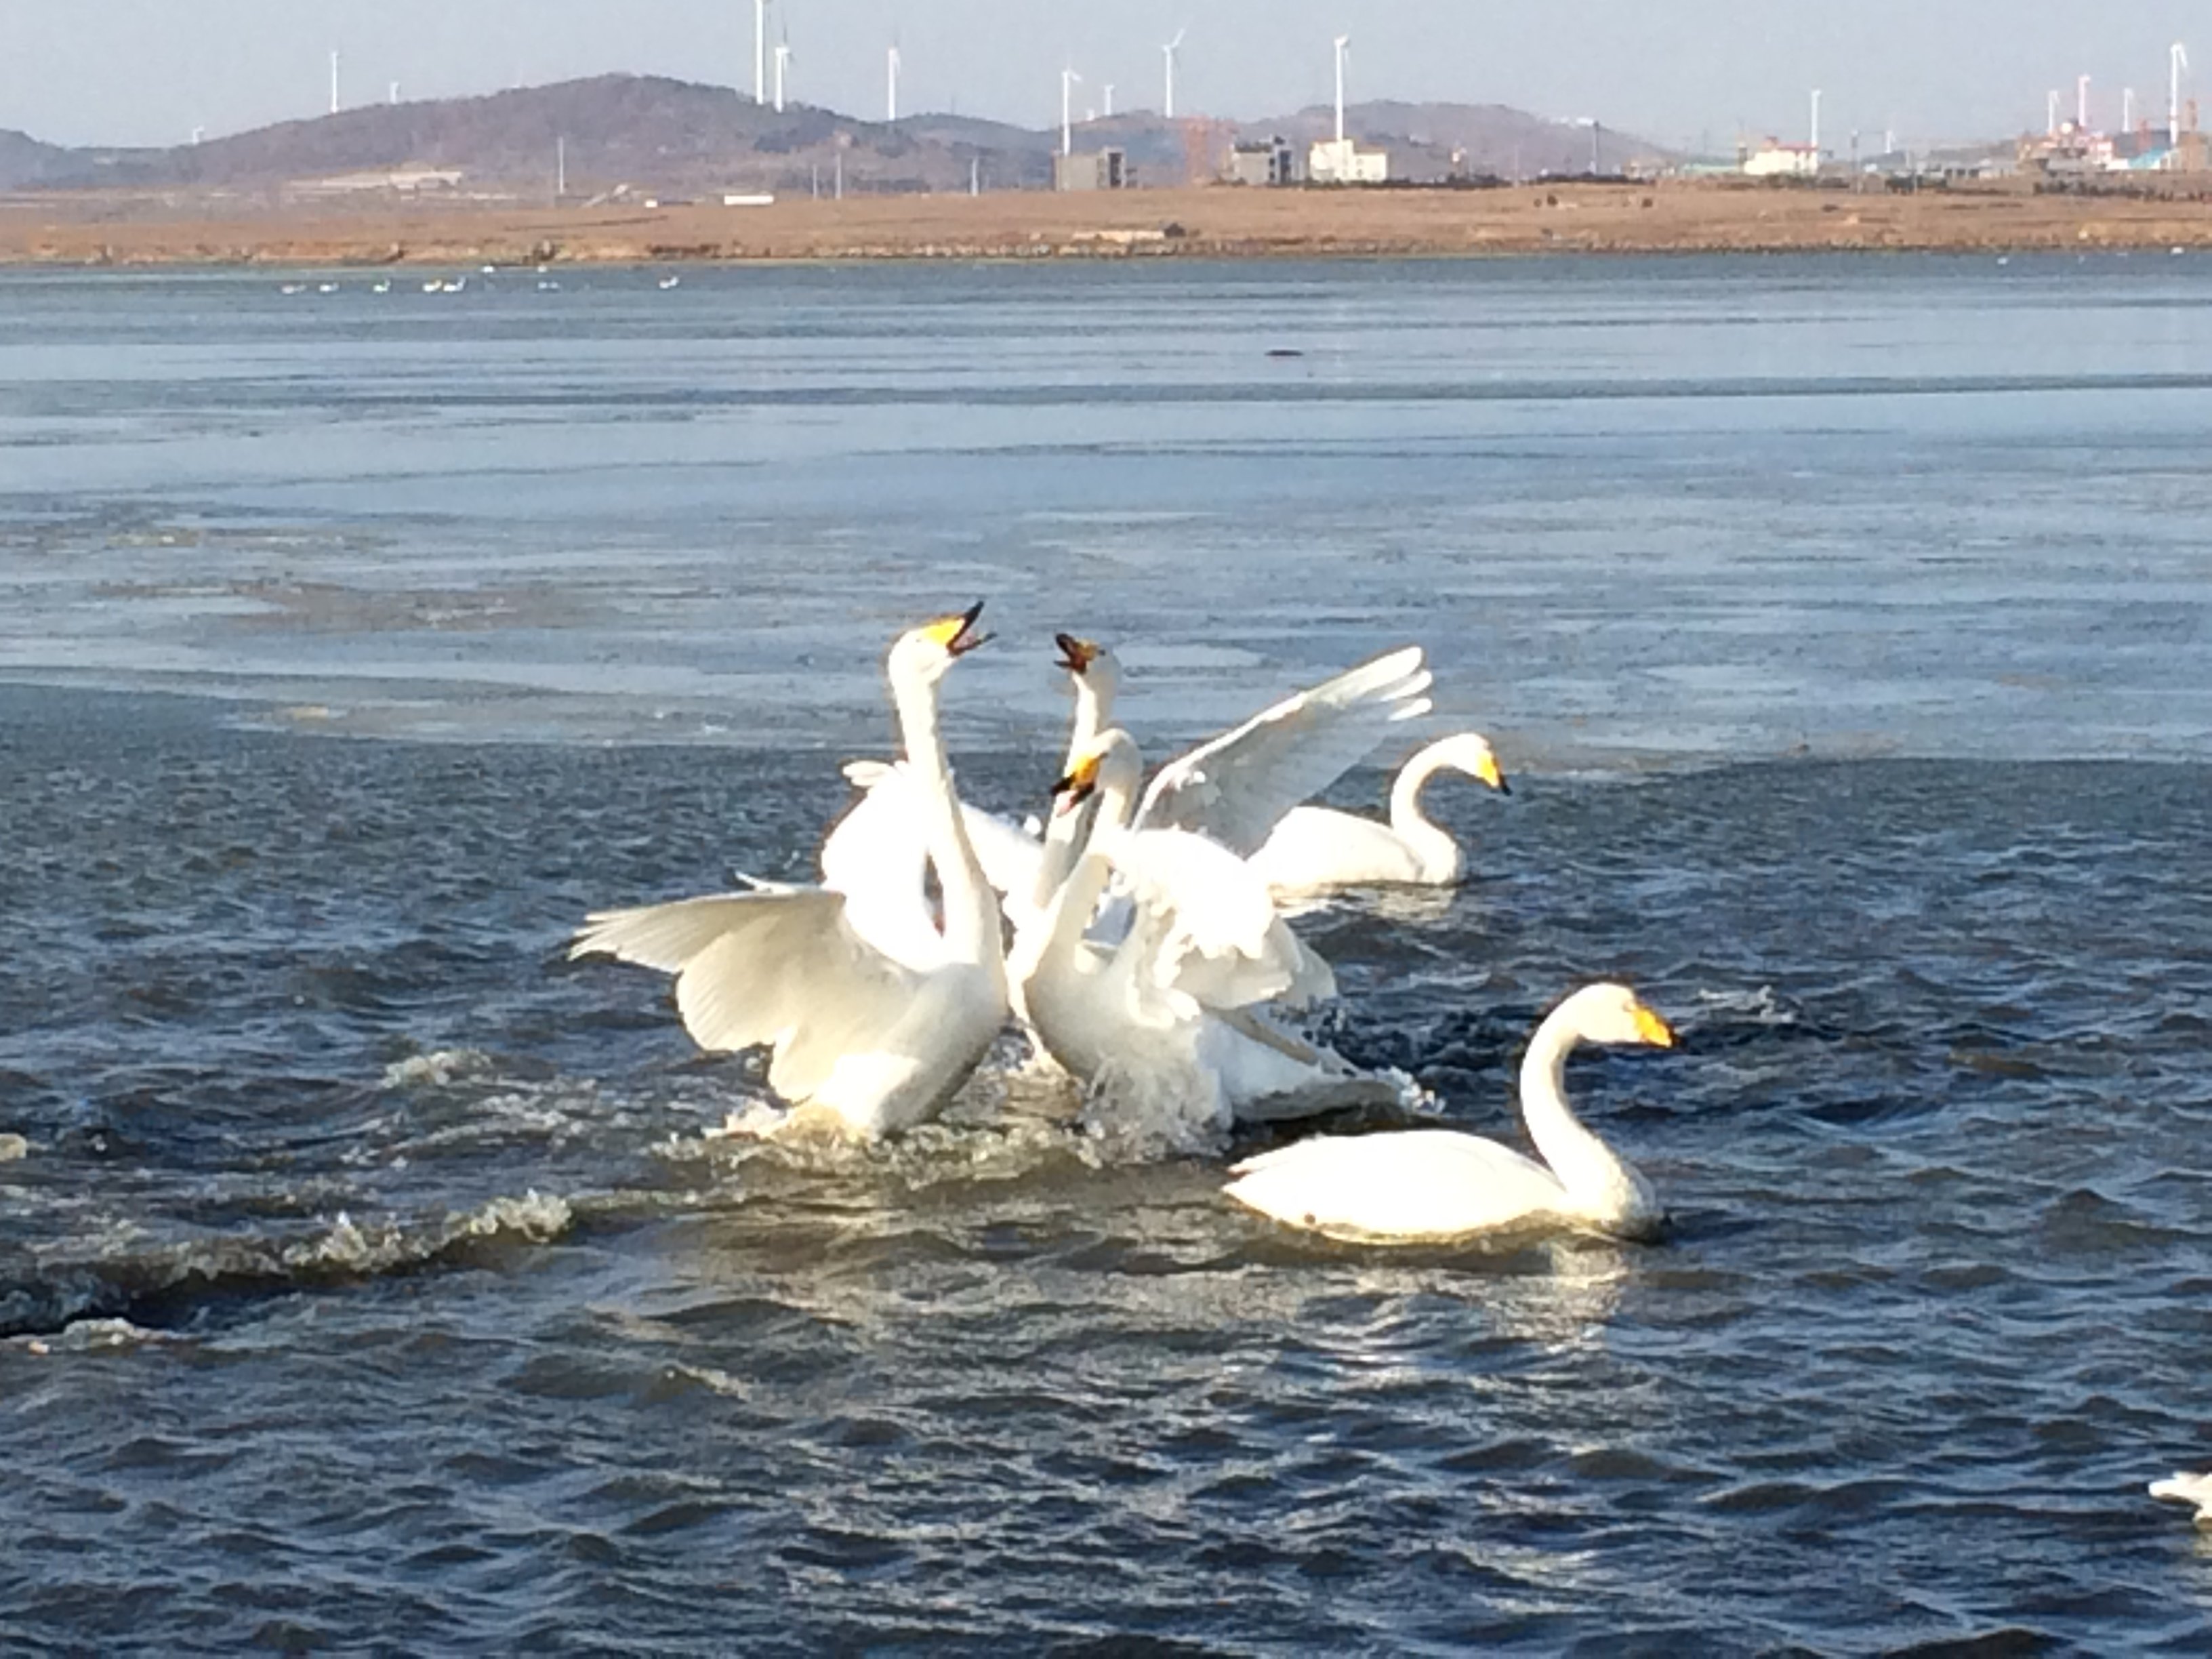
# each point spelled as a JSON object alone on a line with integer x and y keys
{"x": 370, "y": 1277}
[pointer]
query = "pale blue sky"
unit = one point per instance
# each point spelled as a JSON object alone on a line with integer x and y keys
{"x": 147, "y": 71}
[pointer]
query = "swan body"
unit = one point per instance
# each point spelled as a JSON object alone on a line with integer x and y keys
{"x": 1313, "y": 848}
{"x": 873, "y": 1022}
{"x": 2182, "y": 1487}
{"x": 1428, "y": 1184}
{"x": 1163, "y": 1020}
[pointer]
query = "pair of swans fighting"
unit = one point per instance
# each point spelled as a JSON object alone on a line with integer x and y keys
{"x": 1148, "y": 953}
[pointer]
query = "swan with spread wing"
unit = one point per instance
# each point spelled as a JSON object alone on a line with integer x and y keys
{"x": 1234, "y": 788}
{"x": 1164, "y": 1019}
{"x": 873, "y": 1021}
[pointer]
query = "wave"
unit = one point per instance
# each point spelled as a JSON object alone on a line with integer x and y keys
{"x": 163, "y": 1287}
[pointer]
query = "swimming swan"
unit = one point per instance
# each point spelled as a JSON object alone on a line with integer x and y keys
{"x": 1314, "y": 847}
{"x": 1420, "y": 1184}
{"x": 2183, "y": 1487}
{"x": 879, "y": 1038}
{"x": 1166, "y": 1016}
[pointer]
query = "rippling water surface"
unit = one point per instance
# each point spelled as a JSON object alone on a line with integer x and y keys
{"x": 371, "y": 1273}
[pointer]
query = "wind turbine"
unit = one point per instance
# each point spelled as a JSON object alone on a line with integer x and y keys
{"x": 1068, "y": 77}
{"x": 1109, "y": 99}
{"x": 890, "y": 82}
{"x": 1342, "y": 42}
{"x": 760, "y": 52}
{"x": 2081, "y": 102}
{"x": 334, "y": 84}
{"x": 2127, "y": 109}
{"x": 1815, "y": 136}
{"x": 1168, "y": 51}
{"x": 2176, "y": 61}
{"x": 2050, "y": 113}
{"x": 782, "y": 64}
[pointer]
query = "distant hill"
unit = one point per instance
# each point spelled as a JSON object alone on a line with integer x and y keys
{"x": 25, "y": 164}
{"x": 655, "y": 134}
{"x": 676, "y": 138}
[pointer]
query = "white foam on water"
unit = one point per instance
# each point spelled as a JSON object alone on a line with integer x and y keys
{"x": 441, "y": 1067}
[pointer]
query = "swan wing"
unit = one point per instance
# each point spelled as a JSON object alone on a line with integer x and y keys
{"x": 777, "y": 965}
{"x": 1011, "y": 858}
{"x": 1236, "y": 787}
{"x": 1408, "y": 1184}
{"x": 879, "y": 856}
{"x": 1209, "y": 928}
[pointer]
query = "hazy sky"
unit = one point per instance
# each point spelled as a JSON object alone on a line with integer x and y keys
{"x": 147, "y": 71}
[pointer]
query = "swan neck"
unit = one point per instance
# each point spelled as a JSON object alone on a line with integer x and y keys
{"x": 1594, "y": 1176}
{"x": 1071, "y": 908}
{"x": 971, "y": 915}
{"x": 1065, "y": 832}
{"x": 1437, "y": 849}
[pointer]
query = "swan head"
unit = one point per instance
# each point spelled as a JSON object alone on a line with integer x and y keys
{"x": 1092, "y": 664}
{"x": 1109, "y": 762}
{"x": 924, "y": 654}
{"x": 1470, "y": 752}
{"x": 1607, "y": 1012}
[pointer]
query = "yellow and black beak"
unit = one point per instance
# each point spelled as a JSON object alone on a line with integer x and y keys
{"x": 955, "y": 634}
{"x": 1652, "y": 1029}
{"x": 1077, "y": 787}
{"x": 1076, "y": 655}
{"x": 1489, "y": 774}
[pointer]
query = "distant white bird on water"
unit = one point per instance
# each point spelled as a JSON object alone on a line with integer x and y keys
{"x": 1422, "y": 1185}
{"x": 2182, "y": 1487}
{"x": 670, "y": 282}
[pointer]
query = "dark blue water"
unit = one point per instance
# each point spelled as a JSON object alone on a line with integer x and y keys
{"x": 372, "y": 1276}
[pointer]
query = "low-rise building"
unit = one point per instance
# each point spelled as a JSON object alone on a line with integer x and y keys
{"x": 1263, "y": 162}
{"x": 1773, "y": 159}
{"x": 1342, "y": 162}
{"x": 1097, "y": 169}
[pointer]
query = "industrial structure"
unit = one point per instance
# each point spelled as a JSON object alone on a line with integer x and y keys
{"x": 1266, "y": 162}
{"x": 1097, "y": 169}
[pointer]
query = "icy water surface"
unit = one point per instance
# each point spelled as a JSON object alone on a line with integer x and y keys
{"x": 369, "y": 1276}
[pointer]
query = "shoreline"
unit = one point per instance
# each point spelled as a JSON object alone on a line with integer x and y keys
{"x": 1586, "y": 218}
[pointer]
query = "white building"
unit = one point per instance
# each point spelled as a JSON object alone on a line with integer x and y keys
{"x": 1342, "y": 162}
{"x": 1778, "y": 160}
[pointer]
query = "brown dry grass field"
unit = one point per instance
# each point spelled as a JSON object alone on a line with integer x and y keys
{"x": 1221, "y": 222}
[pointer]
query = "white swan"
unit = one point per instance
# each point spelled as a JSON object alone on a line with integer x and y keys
{"x": 1418, "y": 1184}
{"x": 1164, "y": 1022}
{"x": 2182, "y": 1487}
{"x": 876, "y": 1038}
{"x": 1314, "y": 847}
